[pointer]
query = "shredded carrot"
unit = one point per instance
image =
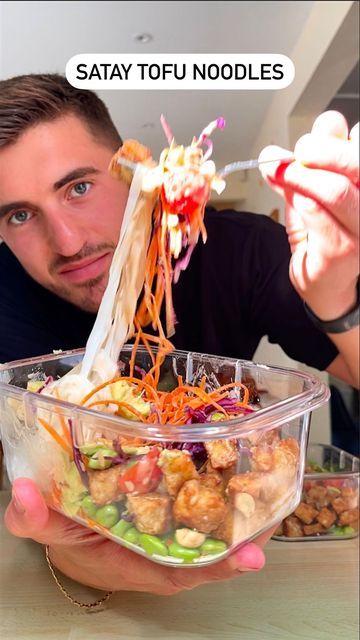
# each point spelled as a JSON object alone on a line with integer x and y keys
{"x": 121, "y": 405}
{"x": 53, "y": 498}
{"x": 140, "y": 383}
{"x": 63, "y": 443}
{"x": 133, "y": 355}
{"x": 232, "y": 385}
{"x": 172, "y": 231}
{"x": 64, "y": 426}
{"x": 171, "y": 407}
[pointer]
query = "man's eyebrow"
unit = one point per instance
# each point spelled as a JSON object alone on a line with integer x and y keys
{"x": 80, "y": 172}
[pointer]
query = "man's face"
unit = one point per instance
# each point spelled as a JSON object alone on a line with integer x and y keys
{"x": 60, "y": 210}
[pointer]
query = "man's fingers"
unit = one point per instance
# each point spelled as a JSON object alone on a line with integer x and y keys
{"x": 249, "y": 558}
{"x": 333, "y": 192}
{"x": 27, "y": 513}
{"x": 326, "y": 239}
{"x": 331, "y": 123}
{"x": 272, "y": 171}
{"x": 354, "y": 135}
{"x": 330, "y": 153}
{"x": 28, "y": 516}
{"x": 276, "y": 153}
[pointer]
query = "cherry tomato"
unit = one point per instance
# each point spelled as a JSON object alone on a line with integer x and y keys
{"x": 308, "y": 484}
{"x": 184, "y": 192}
{"x": 333, "y": 483}
{"x": 143, "y": 476}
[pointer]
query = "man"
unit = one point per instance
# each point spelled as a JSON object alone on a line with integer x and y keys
{"x": 60, "y": 216}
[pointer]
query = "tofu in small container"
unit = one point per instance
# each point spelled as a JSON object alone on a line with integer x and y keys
{"x": 329, "y": 507}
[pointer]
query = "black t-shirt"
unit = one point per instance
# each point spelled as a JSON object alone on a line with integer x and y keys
{"x": 235, "y": 290}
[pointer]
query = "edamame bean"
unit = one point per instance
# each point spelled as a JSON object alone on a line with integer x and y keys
{"x": 178, "y": 551}
{"x": 152, "y": 544}
{"x": 120, "y": 528}
{"x": 131, "y": 535}
{"x": 343, "y": 531}
{"x": 88, "y": 506}
{"x": 90, "y": 449}
{"x": 98, "y": 459}
{"x": 107, "y": 515}
{"x": 212, "y": 546}
{"x": 348, "y": 531}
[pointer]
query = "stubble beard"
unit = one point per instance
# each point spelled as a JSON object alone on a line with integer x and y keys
{"x": 86, "y": 296}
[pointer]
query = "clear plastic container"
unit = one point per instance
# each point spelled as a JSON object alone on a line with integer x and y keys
{"x": 182, "y": 495}
{"x": 329, "y": 507}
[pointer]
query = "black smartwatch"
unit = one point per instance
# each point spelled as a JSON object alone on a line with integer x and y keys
{"x": 339, "y": 325}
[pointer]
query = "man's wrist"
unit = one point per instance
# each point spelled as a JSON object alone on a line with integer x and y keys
{"x": 340, "y": 324}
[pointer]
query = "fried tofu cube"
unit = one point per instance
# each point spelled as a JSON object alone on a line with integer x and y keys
{"x": 318, "y": 497}
{"x": 339, "y": 505}
{"x": 222, "y": 453}
{"x": 212, "y": 480}
{"x": 349, "y": 492}
{"x": 233, "y": 529}
{"x": 326, "y": 518}
{"x": 104, "y": 484}
{"x": 152, "y": 512}
{"x": 225, "y": 531}
{"x": 291, "y": 447}
{"x": 284, "y": 454}
{"x": 271, "y": 436}
{"x": 250, "y": 482}
{"x": 306, "y": 513}
{"x": 199, "y": 507}
{"x": 177, "y": 467}
{"x": 293, "y": 527}
{"x": 351, "y": 496}
{"x": 348, "y": 517}
{"x": 313, "y": 529}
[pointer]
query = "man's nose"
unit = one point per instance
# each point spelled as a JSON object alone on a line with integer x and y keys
{"x": 65, "y": 235}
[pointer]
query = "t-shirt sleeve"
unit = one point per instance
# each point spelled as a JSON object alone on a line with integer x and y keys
{"x": 276, "y": 308}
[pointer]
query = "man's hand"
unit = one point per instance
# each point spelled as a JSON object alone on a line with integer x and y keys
{"x": 90, "y": 559}
{"x": 321, "y": 190}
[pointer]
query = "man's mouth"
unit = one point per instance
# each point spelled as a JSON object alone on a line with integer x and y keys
{"x": 81, "y": 272}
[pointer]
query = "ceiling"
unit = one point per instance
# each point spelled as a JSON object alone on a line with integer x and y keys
{"x": 42, "y": 36}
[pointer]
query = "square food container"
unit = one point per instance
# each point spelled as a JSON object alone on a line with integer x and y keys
{"x": 184, "y": 495}
{"x": 329, "y": 507}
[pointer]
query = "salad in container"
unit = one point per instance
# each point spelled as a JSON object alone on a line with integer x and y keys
{"x": 178, "y": 456}
{"x": 184, "y": 494}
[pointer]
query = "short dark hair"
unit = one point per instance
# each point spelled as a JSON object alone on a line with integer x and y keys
{"x": 29, "y": 100}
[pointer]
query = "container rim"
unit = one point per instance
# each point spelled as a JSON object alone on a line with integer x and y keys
{"x": 323, "y": 475}
{"x": 277, "y": 414}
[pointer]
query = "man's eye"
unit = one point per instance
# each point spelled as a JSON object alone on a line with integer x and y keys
{"x": 19, "y": 217}
{"x": 80, "y": 189}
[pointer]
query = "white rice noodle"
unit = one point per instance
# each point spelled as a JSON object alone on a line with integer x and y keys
{"x": 114, "y": 321}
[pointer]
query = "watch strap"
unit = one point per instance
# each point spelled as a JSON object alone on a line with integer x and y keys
{"x": 339, "y": 325}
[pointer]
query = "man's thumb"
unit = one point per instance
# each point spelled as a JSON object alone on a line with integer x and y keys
{"x": 27, "y": 514}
